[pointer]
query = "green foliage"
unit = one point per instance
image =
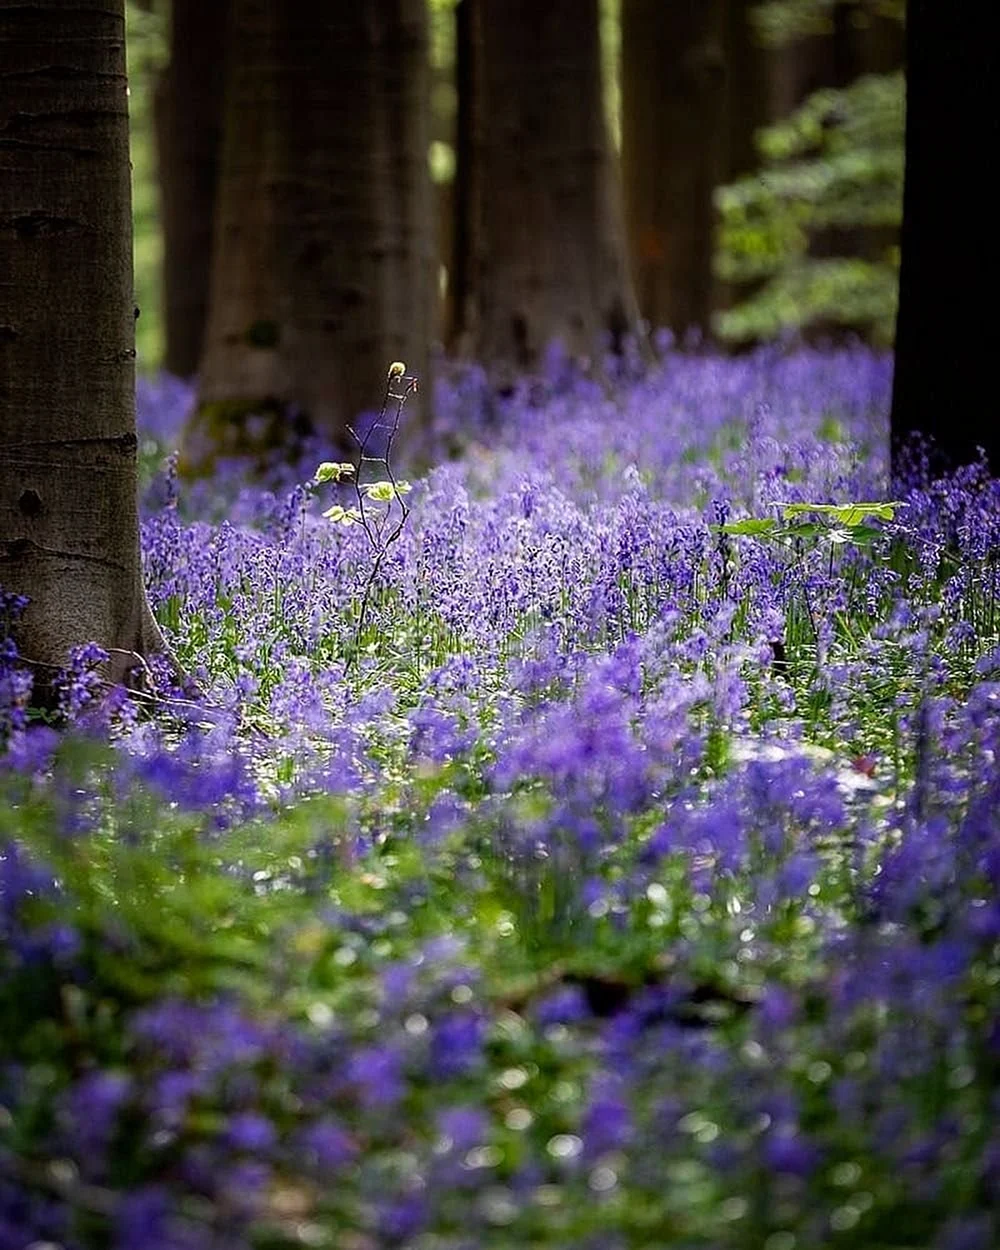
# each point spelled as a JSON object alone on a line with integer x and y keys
{"x": 328, "y": 471}
{"x": 837, "y": 523}
{"x": 835, "y": 164}
{"x": 781, "y": 22}
{"x": 834, "y": 168}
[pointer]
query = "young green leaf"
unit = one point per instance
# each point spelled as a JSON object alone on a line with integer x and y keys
{"x": 329, "y": 471}
{"x": 758, "y": 527}
{"x": 383, "y": 492}
{"x": 342, "y": 516}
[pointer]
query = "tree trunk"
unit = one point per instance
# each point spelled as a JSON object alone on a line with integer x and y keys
{"x": 674, "y": 148}
{"x": 881, "y": 41}
{"x": 747, "y": 100}
{"x": 69, "y": 532}
{"x": 944, "y": 384}
{"x": 324, "y": 254}
{"x": 749, "y": 67}
{"x": 552, "y": 256}
{"x": 799, "y": 69}
{"x": 466, "y": 253}
{"x": 188, "y": 108}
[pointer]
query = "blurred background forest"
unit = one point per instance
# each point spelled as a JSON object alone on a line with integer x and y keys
{"x": 755, "y": 163}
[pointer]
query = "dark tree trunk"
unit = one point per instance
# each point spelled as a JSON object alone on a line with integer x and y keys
{"x": 806, "y": 65}
{"x": 188, "y": 111}
{"x": 69, "y": 532}
{"x": 552, "y": 262}
{"x": 880, "y": 45}
{"x": 945, "y": 386}
{"x": 324, "y": 244}
{"x": 674, "y": 153}
{"x": 466, "y": 253}
{"x": 747, "y": 100}
{"x": 749, "y": 68}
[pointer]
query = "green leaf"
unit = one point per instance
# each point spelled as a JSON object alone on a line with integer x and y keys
{"x": 384, "y": 492}
{"x": 760, "y": 527}
{"x": 863, "y": 535}
{"x": 342, "y": 516}
{"x": 328, "y": 471}
{"x": 803, "y": 529}
{"x": 845, "y": 514}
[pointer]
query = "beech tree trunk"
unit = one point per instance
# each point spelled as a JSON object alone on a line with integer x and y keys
{"x": 188, "y": 110}
{"x": 749, "y": 68}
{"x": 69, "y": 532}
{"x": 466, "y": 236}
{"x": 747, "y": 99}
{"x": 323, "y": 261}
{"x": 944, "y": 385}
{"x": 674, "y": 153}
{"x": 552, "y": 262}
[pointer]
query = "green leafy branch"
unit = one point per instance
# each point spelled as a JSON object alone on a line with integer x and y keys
{"x": 836, "y": 523}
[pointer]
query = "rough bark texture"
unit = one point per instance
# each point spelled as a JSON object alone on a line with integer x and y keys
{"x": 189, "y": 140}
{"x": 674, "y": 152}
{"x": 945, "y": 385}
{"x": 69, "y": 534}
{"x": 324, "y": 244}
{"x": 552, "y": 261}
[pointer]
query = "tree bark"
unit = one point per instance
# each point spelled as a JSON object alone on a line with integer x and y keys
{"x": 69, "y": 532}
{"x": 323, "y": 262}
{"x": 747, "y": 99}
{"x": 552, "y": 262}
{"x": 674, "y": 150}
{"x": 466, "y": 252}
{"x": 188, "y": 112}
{"x": 749, "y": 70}
{"x": 944, "y": 385}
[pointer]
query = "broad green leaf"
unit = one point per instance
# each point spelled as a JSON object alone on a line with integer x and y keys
{"x": 383, "y": 492}
{"x": 329, "y": 471}
{"x": 842, "y": 513}
{"x": 342, "y": 516}
{"x": 863, "y": 535}
{"x": 759, "y": 527}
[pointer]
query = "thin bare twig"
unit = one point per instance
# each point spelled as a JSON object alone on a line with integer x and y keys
{"x": 398, "y": 388}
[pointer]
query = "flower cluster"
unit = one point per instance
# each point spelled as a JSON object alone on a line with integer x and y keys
{"x": 627, "y": 878}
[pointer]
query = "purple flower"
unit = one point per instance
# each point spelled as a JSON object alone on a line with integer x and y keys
{"x": 464, "y": 1127}
{"x": 91, "y": 1110}
{"x": 787, "y": 1150}
{"x": 251, "y": 1132}
{"x": 376, "y": 1073}
{"x": 607, "y": 1120}
{"x": 328, "y": 1146}
{"x": 456, "y": 1044}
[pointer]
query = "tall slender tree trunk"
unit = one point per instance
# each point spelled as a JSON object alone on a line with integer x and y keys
{"x": 69, "y": 532}
{"x": 323, "y": 260}
{"x": 945, "y": 384}
{"x": 552, "y": 261}
{"x": 747, "y": 103}
{"x": 188, "y": 110}
{"x": 747, "y": 99}
{"x": 466, "y": 252}
{"x": 674, "y": 152}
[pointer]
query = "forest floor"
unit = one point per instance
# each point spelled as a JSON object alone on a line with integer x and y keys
{"x": 623, "y": 877}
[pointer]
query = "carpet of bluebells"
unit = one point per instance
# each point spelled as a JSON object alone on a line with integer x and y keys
{"x": 626, "y": 878}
